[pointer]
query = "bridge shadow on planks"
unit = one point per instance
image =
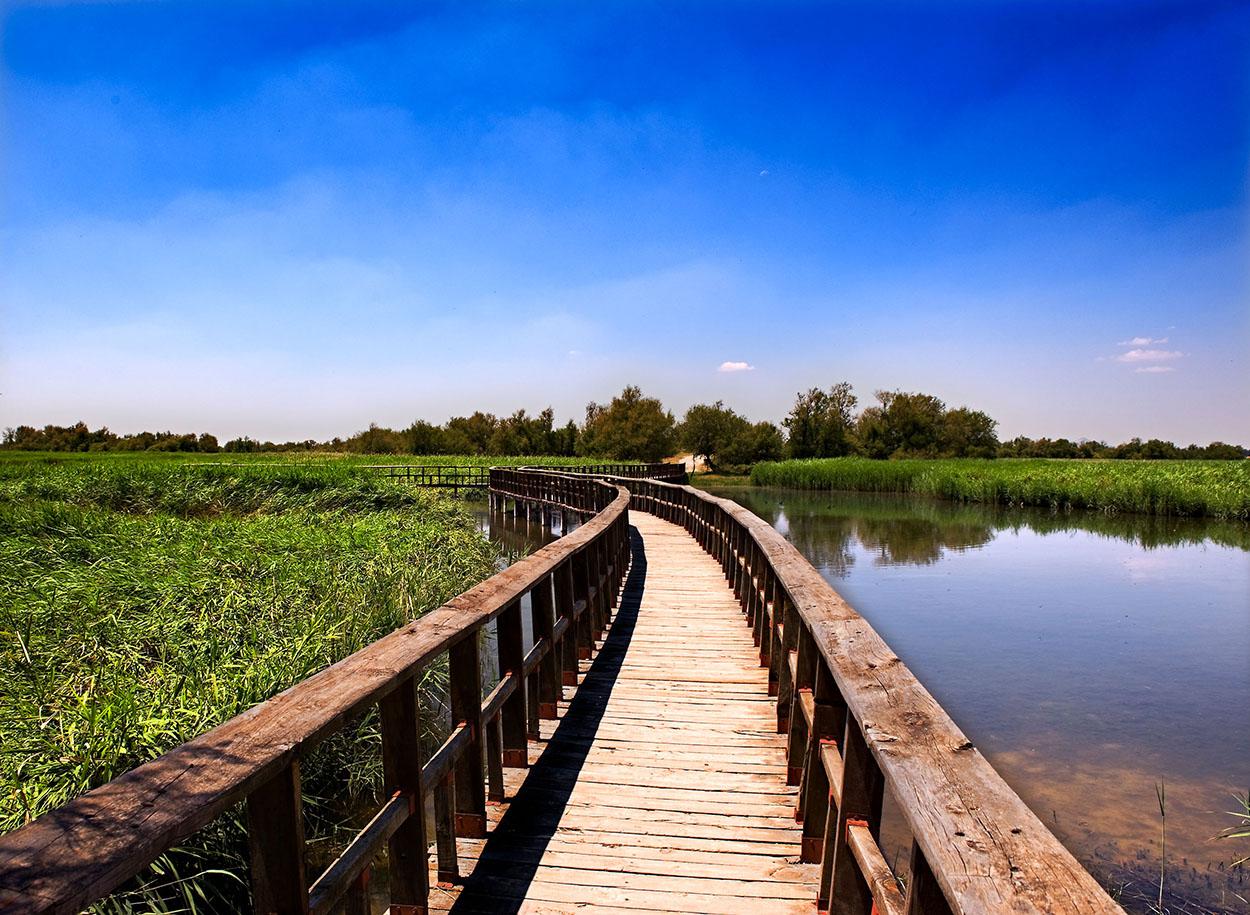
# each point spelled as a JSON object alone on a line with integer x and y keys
{"x": 510, "y": 858}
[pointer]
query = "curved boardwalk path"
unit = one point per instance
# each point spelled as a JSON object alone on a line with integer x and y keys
{"x": 639, "y": 751}
{"x": 662, "y": 785}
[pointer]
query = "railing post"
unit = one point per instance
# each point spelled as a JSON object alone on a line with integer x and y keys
{"x": 275, "y": 834}
{"x": 924, "y": 896}
{"x": 828, "y": 721}
{"x": 465, "y": 688}
{"x": 842, "y": 887}
{"x": 790, "y": 626}
{"x": 568, "y": 642}
{"x": 401, "y": 765}
{"x": 494, "y": 761}
{"x": 445, "y": 830}
{"x": 776, "y": 645}
{"x": 581, "y": 585}
{"x": 542, "y": 611}
{"x": 511, "y": 656}
{"x": 796, "y": 749}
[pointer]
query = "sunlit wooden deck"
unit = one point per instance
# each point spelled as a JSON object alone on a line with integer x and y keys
{"x": 662, "y": 786}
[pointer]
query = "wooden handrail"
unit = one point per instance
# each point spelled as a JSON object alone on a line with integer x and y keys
{"x": 854, "y": 712}
{"x": 82, "y": 851}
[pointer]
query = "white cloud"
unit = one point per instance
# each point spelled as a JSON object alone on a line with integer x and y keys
{"x": 1149, "y": 355}
{"x": 1143, "y": 341}
{"x": 736, "y": 367}
{"x": 1155, "y": 369}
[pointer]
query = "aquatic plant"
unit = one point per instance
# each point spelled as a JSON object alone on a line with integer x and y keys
{"x": 143, "y": 603}
{"x": 1218, "y": 489}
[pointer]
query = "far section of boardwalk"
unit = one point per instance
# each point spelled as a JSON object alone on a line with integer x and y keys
{"x": 662, "y": 786}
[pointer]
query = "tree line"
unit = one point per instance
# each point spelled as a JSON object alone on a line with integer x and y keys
{"x": 632, "y": 426}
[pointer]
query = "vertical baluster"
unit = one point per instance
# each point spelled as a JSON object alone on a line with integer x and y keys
{"x": 924, "y": 895}
{"x": 763, "y": 616}
{"x": 842, "y": 887}
{"x": 465, "y": 688}
{"x": 594, "y": 574}
{"x": 796, "y": 750}
{"x": 275, "y": 834}
{"x": 612, "y": 567}
{"x": 790, "y": 626}
{"x": 532, "y": 725}
{"x": 581, "y": 589}
{"x": 542, "y": 612}
{"x": 568, "y": 644}
{"x": 445, "y": 830}
{"x": 494, "y": 761}
{"x": 513, "y": 714}
{"x": 776, "y": 645}
{"x": 828, "y": 721}
{"x": 750, "y": 604}
{"x": 401, "y": 766}
{"x": 356, "y": 902}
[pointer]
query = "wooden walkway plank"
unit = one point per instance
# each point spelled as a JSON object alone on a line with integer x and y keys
{"x": 661, "y": 784}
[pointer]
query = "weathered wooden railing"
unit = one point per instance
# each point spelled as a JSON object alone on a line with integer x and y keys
{"x": 79, "y": 853}
{"x": 477, "y": 476}
{"x": 858, "y": 722}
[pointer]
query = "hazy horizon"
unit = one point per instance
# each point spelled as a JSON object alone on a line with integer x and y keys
{"x": 291, "y": 220}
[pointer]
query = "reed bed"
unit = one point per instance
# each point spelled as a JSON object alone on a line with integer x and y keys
{"x": 1217, "y": 489}
{"x": 142, "y": 603}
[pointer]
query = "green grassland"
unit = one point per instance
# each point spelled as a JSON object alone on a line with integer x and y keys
{"x": 297, "y": 458}
{"x": 144, "y": 601}
{"x": 1217, "y": 489}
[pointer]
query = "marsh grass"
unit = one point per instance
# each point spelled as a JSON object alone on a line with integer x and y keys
{"x": 1218, "y": 489}
{"x": 142, "y": 603}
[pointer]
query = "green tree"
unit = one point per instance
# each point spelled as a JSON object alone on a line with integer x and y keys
{"x": 471, "y": 434}
{"x": 908, "y": 425}
{"x": 631, "y": 427}
{"x": 821, "y": 422}
{"x": 424, "y": 438}
{"x": 377, "y": 440}
{"x": 707, "y": 429}
{"x": 970, "y": 433}
{"x": 752, "y": 443}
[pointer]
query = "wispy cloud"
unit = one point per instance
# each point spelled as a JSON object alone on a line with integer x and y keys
{"x": 1149, "y": 355}
{"x": 736, "y": 367}
{"x": 1143, "y": 341}
{"x": 1155, "y": 369}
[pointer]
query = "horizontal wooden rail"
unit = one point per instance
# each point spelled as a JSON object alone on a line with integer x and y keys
{"x": 858, "y": 721}
{"x": 477, "y": 476}
{"x": 79, "y": 853}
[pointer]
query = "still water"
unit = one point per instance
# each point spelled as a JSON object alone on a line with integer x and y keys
{"x": 1091, "y": 658}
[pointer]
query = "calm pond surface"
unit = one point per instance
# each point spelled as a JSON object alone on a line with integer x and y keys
{"x": 1089, "y": 657}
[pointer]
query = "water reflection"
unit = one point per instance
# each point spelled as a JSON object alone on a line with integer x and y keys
{"x": 899, "y": 530}
{"x": 1090, "y": 656}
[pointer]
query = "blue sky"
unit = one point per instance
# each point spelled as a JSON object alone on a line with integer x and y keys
{"x": 290, "y": 219}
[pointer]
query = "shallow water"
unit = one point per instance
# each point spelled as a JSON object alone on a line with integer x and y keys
{"x": 1090, "y": 658}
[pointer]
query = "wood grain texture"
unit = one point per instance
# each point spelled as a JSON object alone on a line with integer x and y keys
{"x": 986, "y": 850}
{"x": 660, "y": 786}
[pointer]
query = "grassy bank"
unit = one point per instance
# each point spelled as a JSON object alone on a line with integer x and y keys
{"x": 143, "y": 602}
{"x": 1218, "y": 489}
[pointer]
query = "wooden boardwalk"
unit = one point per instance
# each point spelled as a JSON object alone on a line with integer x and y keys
{"x": 662, "y": 786}
{"x": 655, "y": 783}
